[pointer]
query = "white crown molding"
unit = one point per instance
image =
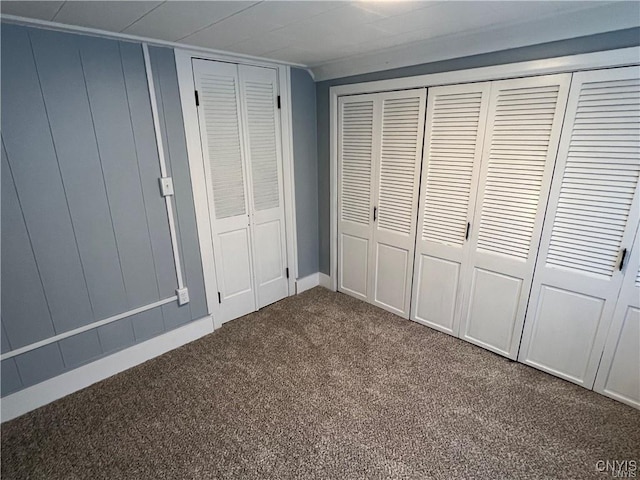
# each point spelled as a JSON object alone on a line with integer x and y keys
{"x": 94, "y": 32}
{"x": 617, "y": 16}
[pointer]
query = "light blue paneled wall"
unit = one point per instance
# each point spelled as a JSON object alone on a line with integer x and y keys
{"x": 303, "y": 114}
{"x": 84, "y": 229}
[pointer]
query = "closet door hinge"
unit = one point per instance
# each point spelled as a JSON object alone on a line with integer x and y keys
{"x": 278, "y": 101}
{"x": 197, "y": 99}
{"x": 286, "y": 271}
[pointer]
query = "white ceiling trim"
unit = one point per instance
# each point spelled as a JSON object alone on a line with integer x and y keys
{"x": 94, "y": 32}
{"x": 617, "y": 16}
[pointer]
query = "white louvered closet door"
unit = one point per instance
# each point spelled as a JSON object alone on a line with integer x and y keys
{"x": 259, "y": 92}
{"x": 455, "y": 127}
{"x": 521, "y": 141}
{"x": 592, "y": 217}
{"x": 358, "y": 126}
{"x": 221, "y": 134}
{"x": 396, "y": 198}
{"x": 619, "y": 370}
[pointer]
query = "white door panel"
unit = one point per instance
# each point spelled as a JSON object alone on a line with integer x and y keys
{"x": 493, "y": 320}
{"x": 240, "y": 136}
{"x": 436, "y": 286}
{"x": 455, "y": 126}
{"x": 222, "y": 144}
{"x": 562, "y": 314}
{"x": 391, "y": 277}
{"x": 358, "y": 126}
{"x": 521, "y": 141}
{"x": 258, "y": 87}
{"x": 354, "y": 257}
{"x": 379, "y": 159}
{"x": 593, "y": 214}
{"x": 619, "y": 371}
{"x": 396, "y": 197}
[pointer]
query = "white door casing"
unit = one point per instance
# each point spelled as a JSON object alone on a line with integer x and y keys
{"x": 618, "y": 375}
{"x": 593, "y": 214}
{"x": 455, "y": 127}
{"x": 380, "y": 152}
{"x": 259, "y": 91}
{"x": 521, "y": 141}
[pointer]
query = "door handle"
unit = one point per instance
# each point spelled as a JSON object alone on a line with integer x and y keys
{"x": 375, "y": 213}
{"x": 623, "y": 256}
{"x": 466, "y": 235}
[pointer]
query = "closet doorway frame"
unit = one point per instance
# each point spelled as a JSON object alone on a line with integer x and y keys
{"x": 186, "y": 85}
{"x": 623, "y": 57}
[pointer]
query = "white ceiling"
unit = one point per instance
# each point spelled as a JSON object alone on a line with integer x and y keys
{"x": 338, "y": 38}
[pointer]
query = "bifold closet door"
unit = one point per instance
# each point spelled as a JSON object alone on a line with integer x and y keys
{"x": 258, "y": 88}
{"x": 619, "y": 371}
{"x": 379, "y": 160}
{"x": 455, "y": 127}
{"x": 221, "y": 134}
{"x": 358, "y": 126}
{"x": 523, "y": 130}
{"x": 592, "y": 218}
{"x": 396, "y": 199}
{"x": 243, "y": 163}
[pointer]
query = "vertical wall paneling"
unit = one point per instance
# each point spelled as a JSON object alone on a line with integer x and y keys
{"x": 455, "y": 128}
{"x": 594, "y": 211}
{"x": 23, "y": 298}
{"x": 30, "y": 151}
{"x": 108, "y": 101}
{"x": 85, "y": 229}
{"x": 174, "y": 142}
{"x": 62, "y": 79}
{"x": 11, "y": 381}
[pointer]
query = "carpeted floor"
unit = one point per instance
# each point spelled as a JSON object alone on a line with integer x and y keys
{"x": 324, "y": 386}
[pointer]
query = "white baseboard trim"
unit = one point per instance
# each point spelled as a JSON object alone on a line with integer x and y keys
{"x": 307, "y": 283}
{"x": 38, "y": 395}
{"x": 325, "y": 281}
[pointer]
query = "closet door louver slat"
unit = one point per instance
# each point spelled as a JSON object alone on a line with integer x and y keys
{"x": 219, "y": 99}
{"x": 593, "y": 215}
{"x": 503, "y": 185}
{"x": 521, "y": 140}
{"x": 357, "y": 143}
{"x": 598, "y": 195}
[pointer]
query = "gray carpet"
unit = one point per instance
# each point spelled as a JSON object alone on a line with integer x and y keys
{"x": 324, "y": 386}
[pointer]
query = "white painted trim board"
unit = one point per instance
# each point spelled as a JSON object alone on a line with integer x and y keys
{"x": 307, "y": 283}
{"x": 41, "y": 394}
